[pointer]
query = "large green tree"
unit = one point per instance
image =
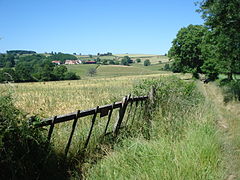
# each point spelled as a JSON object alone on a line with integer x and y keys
{"x": 186, "y": 49}
{"x": 222, "y": 17}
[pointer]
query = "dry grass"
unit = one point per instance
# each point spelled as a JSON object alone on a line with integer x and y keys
{"x": 48, "y": 99}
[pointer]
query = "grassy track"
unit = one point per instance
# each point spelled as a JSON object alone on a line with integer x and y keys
{"x": 228, "y": 119}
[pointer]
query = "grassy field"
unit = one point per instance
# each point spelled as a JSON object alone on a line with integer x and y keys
{"x": 116, "y": 70}
{"x": 81, "y": 69}
{"x": 185, "y": 141}
{"x": 154, "y": 59}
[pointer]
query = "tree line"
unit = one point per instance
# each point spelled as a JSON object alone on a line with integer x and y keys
{"x": 20, "y": 52}
{"x": 32, "y": 68}
{"x": 212, "y": 48}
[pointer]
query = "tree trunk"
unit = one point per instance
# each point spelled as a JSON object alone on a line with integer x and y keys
{"x": 230, "y": 76}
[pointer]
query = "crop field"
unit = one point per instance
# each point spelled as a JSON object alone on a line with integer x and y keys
{"x": 47, "y": 99}
{"x": 61, "y": 97}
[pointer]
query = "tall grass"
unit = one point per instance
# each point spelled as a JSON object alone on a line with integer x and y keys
{"x": 183, "y": 144}
{"x": 24, "y": 151}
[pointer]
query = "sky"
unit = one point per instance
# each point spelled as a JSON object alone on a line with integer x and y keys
{"x": 94, "y": 26}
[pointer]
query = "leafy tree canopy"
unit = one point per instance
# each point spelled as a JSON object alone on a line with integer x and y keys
{"x": 62, "y": 57}
{"x": 222, "y": 17}
{"x": 14, "y": 52}
{"x": 186, "y": 49}
{"x": 36, "y": 68}
{"x": 7, "y": 60}
{"x": 147, "y": 62}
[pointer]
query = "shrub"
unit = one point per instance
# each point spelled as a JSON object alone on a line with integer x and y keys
{"x": 24, "y": 150}
{"x": 167, "y": 67}
{"x": 231, "y": 89}
{"x": 147, "y": 62}
{"x": 138, "y": 60}
{"x": 173, "y": 97}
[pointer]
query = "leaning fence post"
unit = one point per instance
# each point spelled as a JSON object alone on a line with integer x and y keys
{"x": 51, "y": 128}
{"x": 121, "y": 115}
{"x": 90, "y": 132}
{"x": 109, "y": 118}
{"x": 134, "y": 113}
{"x": 72, "y": 132}
{"x": 129, "y": 111}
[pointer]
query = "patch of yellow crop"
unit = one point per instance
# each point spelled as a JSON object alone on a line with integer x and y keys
{"x": 61, "y": 97}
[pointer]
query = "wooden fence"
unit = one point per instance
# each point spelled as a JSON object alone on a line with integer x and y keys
{"x": 105, "y": 110}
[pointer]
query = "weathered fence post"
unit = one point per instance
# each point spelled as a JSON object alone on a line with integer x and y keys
{"x": 51, "y": 128}
{"x": 90, "y": 132}
{"x": 128, "y": 114}
{"x": 121, "y": 115}
{"x": 109, "y": 118}
{"x": 149, "y": 107}
{"x": 72, "y": 132}
{"x": 134, "y": 113}
{"x": 151, "y": 95}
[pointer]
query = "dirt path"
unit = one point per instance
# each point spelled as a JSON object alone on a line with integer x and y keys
{"x": 228, "y": 120}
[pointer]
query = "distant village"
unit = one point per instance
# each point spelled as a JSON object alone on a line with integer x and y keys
{"x": 74, "y": 62}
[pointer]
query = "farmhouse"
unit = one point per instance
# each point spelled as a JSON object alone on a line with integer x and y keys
{"x": 56, "y": 62}
{"x": 73, "y": 62}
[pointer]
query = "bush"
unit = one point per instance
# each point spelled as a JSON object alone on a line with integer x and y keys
{"x": 173, "y": 97}
{"x": 231, "y": 89}
{"x": 147, "y": 62}
{"x": 138, "y": 60}
{"x": 71, "y": 76}
{"x": 24, "y": 150}
{"x": 167, "y": 67}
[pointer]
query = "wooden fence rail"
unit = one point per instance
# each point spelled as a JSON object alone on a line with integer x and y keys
{"x": 105, "y": 110}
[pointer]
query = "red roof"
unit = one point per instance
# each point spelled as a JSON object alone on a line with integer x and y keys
{"x": 55, "y": 61}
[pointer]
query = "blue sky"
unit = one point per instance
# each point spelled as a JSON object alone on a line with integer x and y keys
{"x": 92, "y": 26}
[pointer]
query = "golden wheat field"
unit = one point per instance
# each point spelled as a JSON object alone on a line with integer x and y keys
{"x": 47, "y": 99}
{"x": 60, "y": 97}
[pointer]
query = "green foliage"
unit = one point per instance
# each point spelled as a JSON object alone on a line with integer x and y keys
{"x": 222, "y": 18}
{"x": 7, "y": 75}
{"x": 98, "y": 60}
{"x": 7, "y": 60}
{"x": 147, "y": 62}
{"x": 210, "y": 66}
{"x": 210, "y": 69}
{"x": 231, "y": 89}
{"x": 167, "y": 67}
{"x": 126, "y": 60}
{"x": 20, "y": 52}
{"x": 71, "y": 76}
{"x": 138, "y": 60}
{"x": 36, "y": 68}
{"x": 186, "y": 49}
{"x": 171, "y": 93}
{"x": 21, "y": 147}
{"x": 62, "y": 57}
{"x": 25, "y": 152}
